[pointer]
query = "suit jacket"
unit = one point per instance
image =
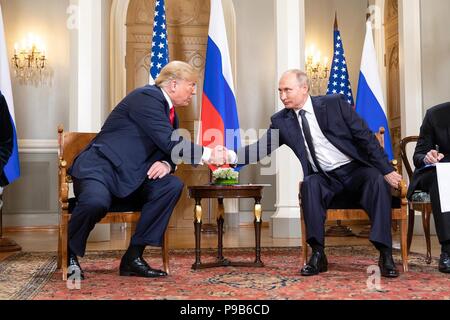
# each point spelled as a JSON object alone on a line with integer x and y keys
{"x": 6, "y": 138}
{"x": 340, "y": 124}
{"x": 435, "y": 130}
{"x": 136, "y": 134}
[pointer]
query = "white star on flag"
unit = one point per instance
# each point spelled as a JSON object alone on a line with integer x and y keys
{"x": 340, "y": 72}
{"x": 160, "y": 48}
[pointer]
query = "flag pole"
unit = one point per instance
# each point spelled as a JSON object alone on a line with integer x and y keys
{"x": 365, "y": 232}
{"x": 336, "y": 28}
{"x": 339, "y": 229}
{"x": 6, "y": 245}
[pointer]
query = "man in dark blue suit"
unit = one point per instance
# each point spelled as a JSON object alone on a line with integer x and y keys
{"x": 433, "y": 147}
{"x": 338, "y": 153}
{"x": 133, "y": 157}
{"x": 6, "y": 138}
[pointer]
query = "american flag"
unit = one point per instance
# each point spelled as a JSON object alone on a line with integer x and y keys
{"x": 339, "y": 82}
{"x": 160, "y": 47}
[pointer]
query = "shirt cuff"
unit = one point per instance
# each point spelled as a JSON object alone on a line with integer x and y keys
{"x": 168, "y": 164}
{"x": 206, "y": 155}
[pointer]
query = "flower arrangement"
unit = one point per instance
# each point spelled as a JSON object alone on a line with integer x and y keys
{"x": 225, "y": 176}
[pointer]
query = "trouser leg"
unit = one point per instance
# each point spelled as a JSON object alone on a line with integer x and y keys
{"x": 375, "y": 198}
{"x": 429, "y": 183}
{"x": 317, "y": 193}
{"x": 93, "y": 202}
{"x": 160, "y": 197}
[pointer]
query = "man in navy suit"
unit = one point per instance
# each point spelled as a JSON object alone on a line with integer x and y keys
{"x": 433, "y": 147}
{"x": 6, "y": 138}
{"x": 132, "y": 158}
{"x": 338, "y": 153}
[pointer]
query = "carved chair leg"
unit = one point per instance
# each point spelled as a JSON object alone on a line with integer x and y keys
{"x": 426, "y": 228}
{"x": 165, "y": 252}
{"x": 64, "y": 244}
{"x": 304, "y": 244}
{"x": 403, "y": 243}
{"x": 411, "y": 216}
{"x": 59, "y": 253}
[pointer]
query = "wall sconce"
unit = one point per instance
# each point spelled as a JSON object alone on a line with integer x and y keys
{"x": 317, "y": 70}
{"x": 30, "y": 63}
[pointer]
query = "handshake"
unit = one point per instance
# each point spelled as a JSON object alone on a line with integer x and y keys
{"x": 220, "y": 155}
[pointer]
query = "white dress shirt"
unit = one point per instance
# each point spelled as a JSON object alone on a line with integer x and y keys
{"x": 328, "y": 156}
{"x": 206, "y": 151}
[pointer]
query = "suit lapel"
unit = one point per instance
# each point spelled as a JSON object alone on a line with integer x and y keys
{"x": 296, "y": 137}
{"x": 167, "y": 108}
{"x": 320, "y": 111}
{"x": 294, "y": 130}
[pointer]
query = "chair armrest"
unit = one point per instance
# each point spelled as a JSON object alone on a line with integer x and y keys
{"x": 63, "y": 185}
{"x": 402, "y": 189}
{"x": 400, "y": 192}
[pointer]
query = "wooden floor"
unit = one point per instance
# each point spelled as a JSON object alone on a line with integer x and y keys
{"x": 46, "y": 240}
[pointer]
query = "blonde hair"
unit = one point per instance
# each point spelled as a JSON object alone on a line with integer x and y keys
{"x": 176, "y": 70}
{"x": 302, "y": 77}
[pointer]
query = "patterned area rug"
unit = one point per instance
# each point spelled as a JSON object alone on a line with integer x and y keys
{"x": 33, "y": 276}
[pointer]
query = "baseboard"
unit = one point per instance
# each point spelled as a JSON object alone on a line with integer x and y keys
{"x": 286, "y": 228}
{"x": 30, "y": 220}
{"x": 245, "y": 218}
{"x": 50, "y": 228}
{"x": 252, "y": 225}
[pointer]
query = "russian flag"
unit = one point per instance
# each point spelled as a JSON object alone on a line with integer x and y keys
{"x": 219, "y": 118}
{"x": 11, "y": 169}
{"x": 369, "y": 102}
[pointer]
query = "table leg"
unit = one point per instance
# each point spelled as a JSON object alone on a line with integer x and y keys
{"x": 220, "y": 220}
{"x": 198, "y": 232}
{"x": 258, "y": 221}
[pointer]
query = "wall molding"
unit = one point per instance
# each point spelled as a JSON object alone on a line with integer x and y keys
{"x": 38, "y": 146}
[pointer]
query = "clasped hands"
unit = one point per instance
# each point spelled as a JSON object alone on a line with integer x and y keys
{"x": 220, "y": 155}
{"x": 393, "y": 179}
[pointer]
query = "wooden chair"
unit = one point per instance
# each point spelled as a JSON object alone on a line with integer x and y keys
{"x": 344, "y": 209}
{"x": 420, "y": 201}
{"x": 70, "y": 145}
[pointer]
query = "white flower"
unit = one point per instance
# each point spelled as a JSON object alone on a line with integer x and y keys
{"x": 226, "y": 174}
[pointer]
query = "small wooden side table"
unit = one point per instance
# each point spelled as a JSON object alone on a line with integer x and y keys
{"x": 223, "y": 192}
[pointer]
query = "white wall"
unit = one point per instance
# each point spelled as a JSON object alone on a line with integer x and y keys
{"x": 256, "y": 82}
{"x": 435, "y": 52}
{"x": 256, "y": 62}
{"x": 351, "y": 21}
{"x": 40, "y": 109}
{"x": 32, "y": 200}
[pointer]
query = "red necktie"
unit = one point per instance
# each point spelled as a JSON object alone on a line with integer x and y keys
{"x": 172, "y": 115}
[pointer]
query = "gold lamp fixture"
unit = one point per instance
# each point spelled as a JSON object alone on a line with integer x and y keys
{"x": 317, "y": 70}
{"x": 30, "y": 63}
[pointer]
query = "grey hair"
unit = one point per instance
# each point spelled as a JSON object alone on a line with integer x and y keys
{"x": 301, "y": 76}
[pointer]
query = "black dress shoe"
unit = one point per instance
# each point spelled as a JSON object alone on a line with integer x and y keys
{"x": 73, "y": 268}
{"x": 444, "y": 263}
{"x": 387, "y": 266}
{"x": 139, "y": 268}
{"x": 317, "y": 263}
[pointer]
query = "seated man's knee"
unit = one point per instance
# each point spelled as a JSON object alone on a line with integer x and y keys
{"x": 175, "y": 183}
{"x": 311, "y": 182}
{"x": 95, "y": 202}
